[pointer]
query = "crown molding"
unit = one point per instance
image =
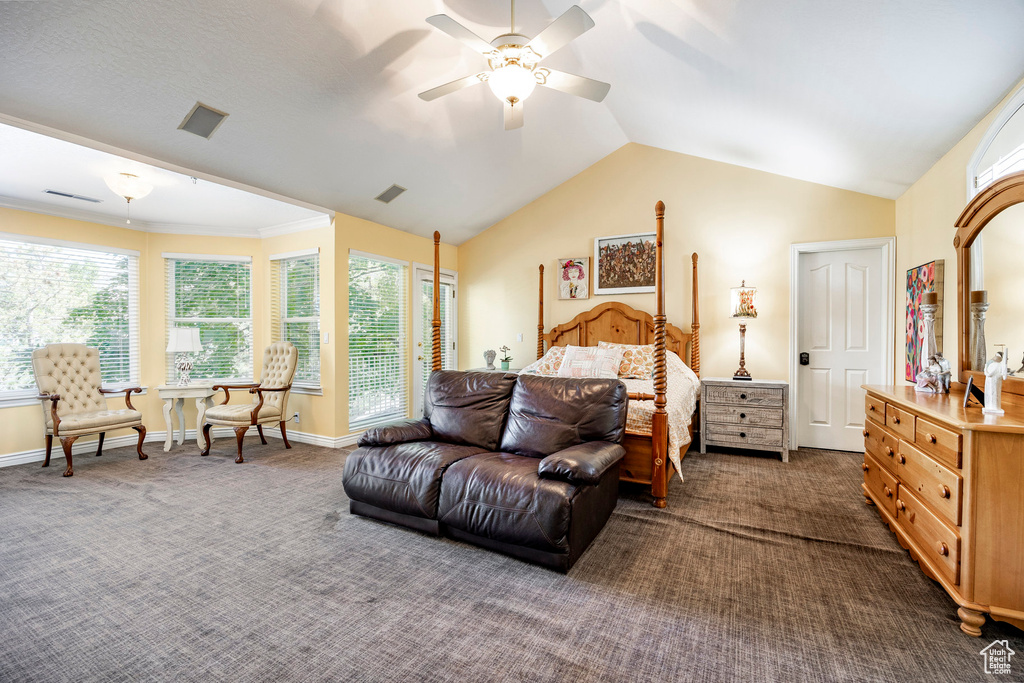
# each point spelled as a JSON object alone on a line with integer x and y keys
{"x": 311, "y": 223}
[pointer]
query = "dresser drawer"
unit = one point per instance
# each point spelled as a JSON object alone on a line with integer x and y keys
{"x": 939, "y": 543}
{"x": 758, "y": 417}
{"x": 899, "y": 421}
{"x": 941, "y": 443}
{"x": 874, "y": 409}
{"x": 935, "y": 484}
{"x": 742, "y": 435}
{"x": 740, "y": 395}
{"x": 880, "y": 483}
{"x": 882, "y": 444}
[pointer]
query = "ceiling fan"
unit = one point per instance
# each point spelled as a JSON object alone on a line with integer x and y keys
{"x": 514, "y": 62}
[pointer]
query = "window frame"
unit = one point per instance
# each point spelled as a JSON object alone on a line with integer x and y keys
{"x": 279, "y": 288}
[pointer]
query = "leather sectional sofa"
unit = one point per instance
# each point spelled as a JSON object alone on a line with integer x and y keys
{"x": 524, "y": 465}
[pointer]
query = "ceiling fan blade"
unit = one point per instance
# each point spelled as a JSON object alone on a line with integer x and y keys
{"x": 573, "y": 23}
{"x": 460, "y": 33}
{"x": 575, "y": 85}
{"x": 451, "y": 87}
{"x": 513, "y": 115}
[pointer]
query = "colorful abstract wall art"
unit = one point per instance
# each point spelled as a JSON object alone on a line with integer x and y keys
{"x": 924, "y": 278}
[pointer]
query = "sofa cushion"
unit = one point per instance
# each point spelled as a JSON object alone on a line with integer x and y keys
{"x": 404, "y": 477}
{"x": 500, "y": 496}
{"x": 549, "y": 414}
{"x": 468, "y": 407}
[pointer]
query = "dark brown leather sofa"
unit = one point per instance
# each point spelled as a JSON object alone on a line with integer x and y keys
{"x": 524, "y": 465}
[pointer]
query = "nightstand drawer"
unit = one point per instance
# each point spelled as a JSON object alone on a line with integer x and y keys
{"x": 749, "y": 395}
{"x": 742, "y": 436}
{"x": 758, "y": 417}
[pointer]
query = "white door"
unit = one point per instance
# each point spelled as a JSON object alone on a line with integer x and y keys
{"x": 423, "y": 312}
{"x": 841, "y": 326}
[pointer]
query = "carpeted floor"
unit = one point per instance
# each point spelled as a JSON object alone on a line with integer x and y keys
{"x": 196, "y": 569}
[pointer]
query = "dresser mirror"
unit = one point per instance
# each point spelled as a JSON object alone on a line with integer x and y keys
{"x": 990, "y": 281}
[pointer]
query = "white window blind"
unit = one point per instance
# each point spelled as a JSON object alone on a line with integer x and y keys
{"x": 215, "y": 296}
{"x": 377, "y": 345}
{"x": 53, "y": 292}
{"x": 295, "y": 312}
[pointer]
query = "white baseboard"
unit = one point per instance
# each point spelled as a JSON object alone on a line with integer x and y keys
{"x": 87, "y": 445}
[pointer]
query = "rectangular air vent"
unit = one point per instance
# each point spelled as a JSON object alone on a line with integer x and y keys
{"x": 389, "y": 194}
{"x": 74, "y": 196}
{"x": 202, "y": 120}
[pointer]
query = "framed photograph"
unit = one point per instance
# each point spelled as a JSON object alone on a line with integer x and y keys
{"x": 924, "y": 278}
{"x": 625, "y": 263}
{"x": 574, "y": 278}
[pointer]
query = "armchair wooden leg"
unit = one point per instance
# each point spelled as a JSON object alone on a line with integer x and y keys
{"x": 49, "y": 447}
{"x": 141, "y": 429}
{"x": 99, "y": 449}
{"x": 263, "y": 440}
{"x": 284, "y": 435}
{"x": 65, "y": 442}
{"x": 206, "y": 435}
{"x": 239, "y": 435}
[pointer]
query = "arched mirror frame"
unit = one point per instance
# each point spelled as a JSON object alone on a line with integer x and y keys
{"x": 996, "y": 198}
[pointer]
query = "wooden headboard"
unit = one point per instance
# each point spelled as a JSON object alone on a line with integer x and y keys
{"x": 614, "y": 321}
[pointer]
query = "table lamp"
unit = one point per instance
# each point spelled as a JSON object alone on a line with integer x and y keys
{"x": 183, "y": 341}
{"x": 741, "y": 303}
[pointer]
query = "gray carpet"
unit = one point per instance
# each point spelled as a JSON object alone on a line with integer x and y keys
{"x": 196, "y": 569}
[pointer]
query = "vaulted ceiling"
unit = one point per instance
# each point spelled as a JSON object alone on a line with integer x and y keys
{"x": 862, "y": 94}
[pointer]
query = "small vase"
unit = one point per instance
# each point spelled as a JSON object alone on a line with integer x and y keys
{"x": 504, "y": 365}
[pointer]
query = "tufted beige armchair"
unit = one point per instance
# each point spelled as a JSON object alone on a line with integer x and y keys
{"x": 68, "y": 377}
{"x": 270, "y": 403}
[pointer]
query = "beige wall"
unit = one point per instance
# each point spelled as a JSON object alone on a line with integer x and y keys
{"x": 925, "y": 216}
{"x": 740, "y": 221}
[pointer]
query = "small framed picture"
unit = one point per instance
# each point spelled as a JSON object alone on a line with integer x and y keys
{"x": 574, "y": 278}
{"x": 625, "y": 263}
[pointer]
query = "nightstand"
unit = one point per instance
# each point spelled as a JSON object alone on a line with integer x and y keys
{"x": 745, "y": 414}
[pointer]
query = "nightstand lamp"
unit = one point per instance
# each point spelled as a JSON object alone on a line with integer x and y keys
{"x": 184, "y": 341}
{"x": 741, "y": 303}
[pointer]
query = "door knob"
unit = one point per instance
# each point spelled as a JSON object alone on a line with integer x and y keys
{"x": 419, "y": 357}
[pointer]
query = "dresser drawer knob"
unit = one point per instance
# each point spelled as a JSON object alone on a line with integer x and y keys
{"x": 930, "y": 437}
{"x": 888, "y": 491}
{"x": 743, "y": 396}
{"x": 943, "y": 491}
{"x": 871, "y": 408}
{"x": 900, "y": 505}
{"x": 943, "y": 549}
{"x": 864, "y": 466}
{"x": 902, "y": 459}
{"x": 896, "y": 419}
{"x": 866, "y": 433}
{"x": 889, "y": 451}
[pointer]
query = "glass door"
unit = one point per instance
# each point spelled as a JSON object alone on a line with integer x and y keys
{"x": 423, "y": 313}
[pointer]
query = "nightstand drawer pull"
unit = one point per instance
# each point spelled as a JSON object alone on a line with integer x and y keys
{"x": 743, "y": 416}
{"x": 743, "y": 396}
{"x": 743, "y": 435}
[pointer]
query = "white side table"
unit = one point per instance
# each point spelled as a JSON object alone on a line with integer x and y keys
{"x": 173, "y": 395}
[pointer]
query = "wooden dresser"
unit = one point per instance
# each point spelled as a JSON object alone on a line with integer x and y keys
{"x": 745, "y": 414}
{"x": 949, "y": 482}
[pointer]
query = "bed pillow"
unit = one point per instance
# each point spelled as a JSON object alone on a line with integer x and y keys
{"x": 637, "y": 359}
{"x": 590, "y": 361}
{"x": 548, "y": 364}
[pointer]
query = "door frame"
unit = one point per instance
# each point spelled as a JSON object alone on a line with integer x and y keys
{"x": 887, "y": 245}
{"x": 450, "y": 277}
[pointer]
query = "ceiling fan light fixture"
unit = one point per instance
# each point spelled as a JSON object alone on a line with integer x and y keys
{"x": 129, "y": 186}
{"x": 512, "y": 82}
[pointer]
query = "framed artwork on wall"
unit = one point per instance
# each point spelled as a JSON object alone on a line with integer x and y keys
{"x": 625, "y": 263}
{"x": 574, "y": 278}
{"x": 924, "y": 278}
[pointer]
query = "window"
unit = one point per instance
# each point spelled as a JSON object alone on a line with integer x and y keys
{"x": 54, "y": 292}
{"x": 212, "y": 293}
{"x": 377, "y": 362}
{"x": 295, "y": 311}
{"x": 1001, "y": 150}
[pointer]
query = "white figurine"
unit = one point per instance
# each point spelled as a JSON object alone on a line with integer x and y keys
{"x": 995, "y": 373}
{"x": 935, "y": 377}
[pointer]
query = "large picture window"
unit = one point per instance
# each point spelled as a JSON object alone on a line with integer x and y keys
{"x": 377, "y": 346}
{"x": 52, "y": 291}
{"x": 213, "y": 293}
{"x": 295, "y": 311}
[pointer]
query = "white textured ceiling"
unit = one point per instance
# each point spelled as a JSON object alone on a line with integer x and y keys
{"x": 860, "y": 94}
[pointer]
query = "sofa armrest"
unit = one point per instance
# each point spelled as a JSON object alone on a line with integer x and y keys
{"x": 397, "y": 432}
{"x": 583, "y": 463}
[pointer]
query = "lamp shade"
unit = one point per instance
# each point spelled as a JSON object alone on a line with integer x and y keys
{"x": 184, "y": 340}
{"x": 741, "y": 301}
{"x": 129, "y": 186}
{"x": 512, "y": 82}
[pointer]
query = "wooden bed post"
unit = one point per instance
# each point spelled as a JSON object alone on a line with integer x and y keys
{"x": 435, "y": 323}
{"x": 695, "y": 325}
{"x": 540, "y": 317}
{"x": 659, "y": 422}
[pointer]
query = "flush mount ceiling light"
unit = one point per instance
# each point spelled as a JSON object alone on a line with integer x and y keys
{"x": 514, "y": 60}
{"x": 129, "y": 186}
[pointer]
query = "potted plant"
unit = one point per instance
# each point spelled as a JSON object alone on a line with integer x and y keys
{"x": 505, "y": 358}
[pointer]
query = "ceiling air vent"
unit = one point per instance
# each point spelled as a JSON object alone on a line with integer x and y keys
{"x": 203, "y": 120}
{"x": 73, "y": 196}
{"x": 389, "y": 194}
